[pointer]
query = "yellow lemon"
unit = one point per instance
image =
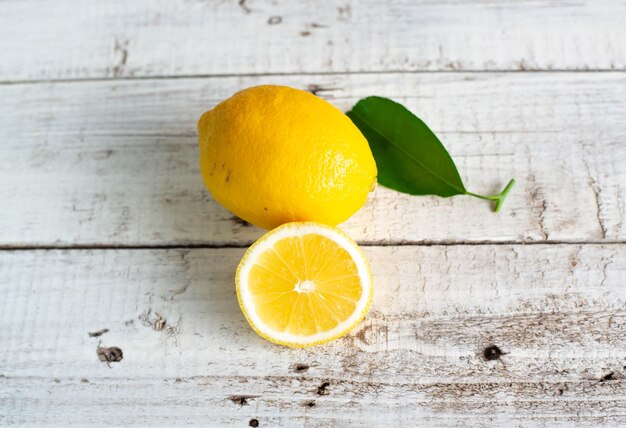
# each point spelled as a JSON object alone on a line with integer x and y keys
{"x": 303, "y": 284}
{"x": 274, "y": 154}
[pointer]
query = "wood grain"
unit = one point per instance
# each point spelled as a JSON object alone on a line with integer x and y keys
{"x": 556, "y": 311}
{"x": 66, "y": 39}
{"x": 98, "y": 150}
{"x": 114, "y": 163}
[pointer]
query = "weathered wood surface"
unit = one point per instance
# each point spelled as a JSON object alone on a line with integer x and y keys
{"x": 98, "y": 104}
{"x": 557, "y": 311}
{"x": 67, "y": 39}
{"x": 115, "y": 162}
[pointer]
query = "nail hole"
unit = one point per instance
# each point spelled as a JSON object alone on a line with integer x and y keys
{"x": 492, "y": 353}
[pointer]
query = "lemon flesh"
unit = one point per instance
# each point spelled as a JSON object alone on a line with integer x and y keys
{"x": 304, "y": 284}
{"x": 274, "y": 154}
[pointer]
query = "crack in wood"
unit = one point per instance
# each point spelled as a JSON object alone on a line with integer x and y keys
{"x": 120, "y": 49}
{"x": 593, "y": 183}
{"x": 604, "y": 268}
{"x": 538, "y": 201}
{"x": 182, "y": 289}
{"x": 241, "y": 400}
{"x": 98, "y": 333}
{"x": 242, "y": 4}
{"x": 316, "y": 89}
{"x": 361, "y": 334}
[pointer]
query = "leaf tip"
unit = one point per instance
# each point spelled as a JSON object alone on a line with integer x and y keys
{"x": 502, "y": 196}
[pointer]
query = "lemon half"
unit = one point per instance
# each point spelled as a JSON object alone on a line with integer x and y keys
{"x": 303, "y": 284}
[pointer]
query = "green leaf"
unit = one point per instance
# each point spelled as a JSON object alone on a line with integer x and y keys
{"x": 409, "y": 156}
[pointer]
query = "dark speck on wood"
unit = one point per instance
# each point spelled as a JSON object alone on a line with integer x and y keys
{"x": 492, "y": 353}
{"x": 321, "y": 390}
{"x": 607, "y": 377}
{"x": 316, "y": 89}
{"x": 274, "y": 20}
{"x": 109, "y": 355}
{"x": 305, "y": 33}
{"x": 98, "y": 333}
{"x": 253, "y": 423}
{"x": 242, "y": 400}
{"x": 299, "y": 368}
{"x": 310, "y": 403}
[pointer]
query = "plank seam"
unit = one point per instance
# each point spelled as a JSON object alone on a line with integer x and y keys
{"x": 36, "y": 247}
{"x": 296, "y": 73}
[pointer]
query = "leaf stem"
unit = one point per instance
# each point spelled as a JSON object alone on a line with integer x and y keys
{"x": 499, "y": 198}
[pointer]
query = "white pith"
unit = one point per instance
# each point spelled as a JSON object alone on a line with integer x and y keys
{"x": 301, "y": 230}
{"x": 305, "y": 286}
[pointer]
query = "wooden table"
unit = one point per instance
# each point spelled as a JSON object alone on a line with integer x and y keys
{"x": 105, "y": 222}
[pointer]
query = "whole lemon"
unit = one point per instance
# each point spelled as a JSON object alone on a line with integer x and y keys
{"x": 274, "y": 154}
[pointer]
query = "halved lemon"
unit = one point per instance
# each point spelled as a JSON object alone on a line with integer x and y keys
{"x": 303, "y": 284}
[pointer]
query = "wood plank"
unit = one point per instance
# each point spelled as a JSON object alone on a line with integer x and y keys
{"x": 115, "y": 162}
{"x": 205, "y": 401}
{"x": 557, "y": 311}
{"x": 65, "y": 39}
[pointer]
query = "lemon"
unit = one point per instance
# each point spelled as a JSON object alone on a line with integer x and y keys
{"x": 274, "y": 154}
{"x": 303, "y": 284}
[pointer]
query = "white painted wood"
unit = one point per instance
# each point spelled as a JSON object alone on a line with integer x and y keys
{"x": 115, "y": 163}
{"x": 67, "y": 39}
{"x": 556, "y": 310}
